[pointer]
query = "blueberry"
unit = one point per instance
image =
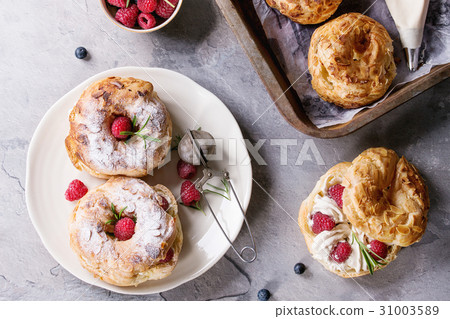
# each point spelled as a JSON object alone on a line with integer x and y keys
{"x": 299, "y": 268}
{"x": 81, "y": 53}
{"x": 263, "y": 295}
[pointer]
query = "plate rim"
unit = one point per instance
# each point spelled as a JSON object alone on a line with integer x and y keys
{"x": 32, "y": 146}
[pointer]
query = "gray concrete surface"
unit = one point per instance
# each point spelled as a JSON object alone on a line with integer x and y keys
{"x": 38, "y": 66}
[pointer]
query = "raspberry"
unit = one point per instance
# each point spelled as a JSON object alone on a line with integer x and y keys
{"x": 189, "y": 194}
{"x": 341, "y": 252}
{"x": 146, "y": 21}
{"x": 147, "y": 6}
{"x": 118, "y": 3}
{"x": 169, "y": 256}
{"x": 186, "y": 170}
{"x": 165, "y": 10}
{"x": 128, "y": 16}
{"x": 378, "y": 248}
{"x": 124, "y": 228}
{"x": 335, "y": 192}
{"x": 322, "y": 222}
{"x": 121, "y": 124}
{"x": 162, "y": 201}
{"x": 76, "y": 190}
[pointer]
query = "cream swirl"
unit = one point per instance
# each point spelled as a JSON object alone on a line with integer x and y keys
{"x": 324, "y": 242}
{"x": 327, "y": 206}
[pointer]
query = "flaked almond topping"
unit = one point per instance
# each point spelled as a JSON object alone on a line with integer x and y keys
{"x": 106, "y": 96}
{"x": 118, "y": 84}
{"x": 403, "y": 230}
{"x": 97, "y": 94}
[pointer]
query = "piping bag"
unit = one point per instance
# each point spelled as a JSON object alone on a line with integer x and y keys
{"x": 409, "y": 17}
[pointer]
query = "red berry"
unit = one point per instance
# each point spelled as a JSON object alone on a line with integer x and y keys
{"x": 147, "y": 6}
{"x": 76, "y": 190}
{"x": 189, "y": 194}
{"x": 335, "y": 192}
{"x": 128, "y": 16}
{"x": 124, "y": 229}
{"x": 146, "y": 21}
{"x": 322, "y": 222}
{"x": 186, "y": 170}
{"x": 118, "y": 3}
{"x": 341, "y": 252}
{"x": 121, "y": 124}
{"x": 163, "y": 203}
{"x": 378, "y": 248}
{"x": 165, "y": 10}
{"x": 169, "y": 256}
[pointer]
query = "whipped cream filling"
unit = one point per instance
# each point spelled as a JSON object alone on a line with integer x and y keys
{"x": 324, "y": 242}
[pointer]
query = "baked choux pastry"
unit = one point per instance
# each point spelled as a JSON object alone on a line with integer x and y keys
{"x": 306, "y": 11}
{"x": 386, "y": 198}
{"x": 351, "y": 61}
{"x": 126, "y": 232}
{"x": 360, "y": 214}
{"x": 91, "y": 144}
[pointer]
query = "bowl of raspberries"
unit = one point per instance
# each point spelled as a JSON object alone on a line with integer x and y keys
{"x": 141, "y": 15}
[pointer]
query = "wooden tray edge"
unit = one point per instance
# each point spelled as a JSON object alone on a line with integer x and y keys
{"x": 279, "y": 87}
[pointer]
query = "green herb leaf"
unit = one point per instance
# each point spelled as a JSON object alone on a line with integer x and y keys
{"x": 218, "y": 188}
{"x": 199, "y": 207}
{"x": 366, "y": 252}
{"x": 116, "y": 215}
{"x": 128, "y": 3}
{"x": 121, "y": 211}
{"x": 134, "y": 122}
{"x": 227, "y": 187}
{"x": 176, "y": 140}
{"x": 213, "y": 192}
{"x": 145, "y": 124}
{"x": 138, "y": 133}
{"x": 127, "y": 133}
{"x": 169, "y": 3}
{"x": 225, "y": 190}
{"x": 196, "y": 206}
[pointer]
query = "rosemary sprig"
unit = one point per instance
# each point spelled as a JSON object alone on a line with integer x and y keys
{"x": 116, "y": 215}
{"x": 176, "y": 140}
{"x": 372, "y": 263}
{"x": 225, "y": 190}
{"x": 169, "y": 3}
{"x": 196, "y": 206}
{"x": 139, "y": 133}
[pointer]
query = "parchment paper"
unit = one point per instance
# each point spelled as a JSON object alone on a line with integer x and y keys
{"x": 290, "y": 42}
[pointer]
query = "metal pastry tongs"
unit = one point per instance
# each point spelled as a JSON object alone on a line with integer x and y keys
{"x": 208, "y": 174}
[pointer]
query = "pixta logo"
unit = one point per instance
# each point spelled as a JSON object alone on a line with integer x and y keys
{"x": 308, "y": 152}
{"x": 229, "y": 152}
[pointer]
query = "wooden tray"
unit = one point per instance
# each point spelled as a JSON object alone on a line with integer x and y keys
{"x": 244, "y": 22}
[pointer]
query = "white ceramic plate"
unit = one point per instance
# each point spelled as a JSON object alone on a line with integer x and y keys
{"x": 49, "y": 171}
